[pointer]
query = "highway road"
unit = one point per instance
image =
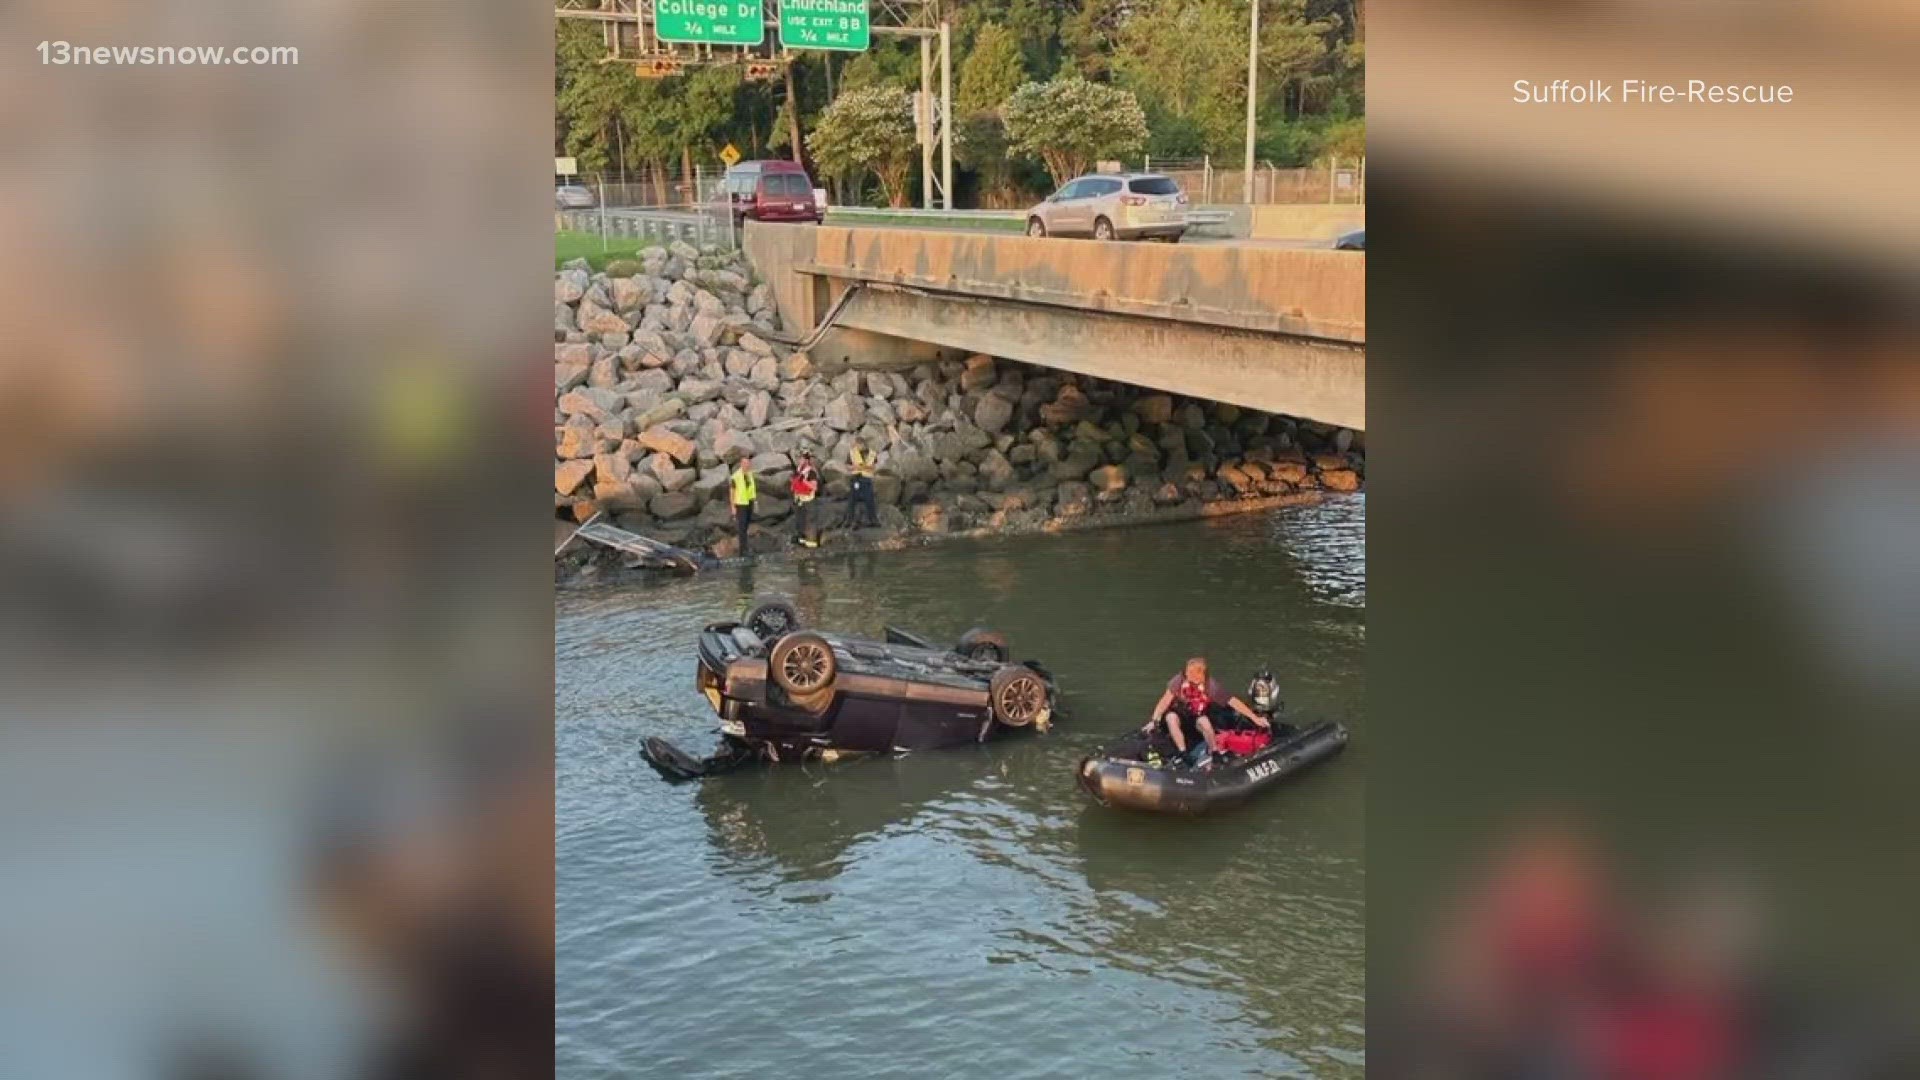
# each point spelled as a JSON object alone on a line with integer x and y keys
{"x": 690, "y": 216}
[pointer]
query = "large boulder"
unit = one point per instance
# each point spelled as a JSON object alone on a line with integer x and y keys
{"x": 665, "y": 440}
{"x": 595, "y": 319}
{"x": 796, "y": 366}
{"x": 1340, "y": 480}
{"x": 993, "y": 413}
{"x": 1154, "y": 409}
{"x": 1081, "y": 458}
{"x": 629, "y": 293}
{"x": 593, "y": 401}
{"x": 846, "y": 413}
{"x": 979, "y": 373}
{"x": 1108, "y": 482}
{"x": 569, "y": 475}
{"x": 576, "y": 439}
{"x": 673, "y": 505}
{"x": 612, "y": 467}
{"x": 1074, "y": 499}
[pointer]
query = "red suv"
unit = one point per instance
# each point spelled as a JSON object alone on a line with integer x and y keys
{"x": 770, "y": 191}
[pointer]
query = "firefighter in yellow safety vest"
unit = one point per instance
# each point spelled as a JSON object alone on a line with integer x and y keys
{"x": 860, "y": 500}
{"x": 741, "y": 492}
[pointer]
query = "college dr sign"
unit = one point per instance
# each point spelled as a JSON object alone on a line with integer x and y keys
{"x": 717, "y": 22}
{"x": 824, "y": 24}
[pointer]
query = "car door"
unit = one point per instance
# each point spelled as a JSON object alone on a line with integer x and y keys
{"x": 1063, "y": 219}
{"x": 1101, "y": 201}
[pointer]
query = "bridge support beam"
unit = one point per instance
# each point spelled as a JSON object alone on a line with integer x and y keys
{"x": 1295, "y": 376}
{"x": 1279, "y": 330}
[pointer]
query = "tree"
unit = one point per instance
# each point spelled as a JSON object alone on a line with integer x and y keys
{"x": 868, "y": 130}
{"x": 1295, "y": 52}
{"x": 1347, "y": 139}
{"x": 1187, "y": 62}
{"x": 990, "y": 72}
{"x": 1070, "y": 123}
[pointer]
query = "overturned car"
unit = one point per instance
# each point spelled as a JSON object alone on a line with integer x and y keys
{"x": 784, "y": 692}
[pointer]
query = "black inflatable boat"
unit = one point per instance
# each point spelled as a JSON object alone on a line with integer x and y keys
{"x": 1126, "y": 773}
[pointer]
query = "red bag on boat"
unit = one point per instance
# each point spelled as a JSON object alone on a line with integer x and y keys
{"x": 1243, "y": 742}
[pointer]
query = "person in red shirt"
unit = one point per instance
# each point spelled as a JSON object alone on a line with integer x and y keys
{"x": 1195, "y": 706}
{"x": 806, "y": 487}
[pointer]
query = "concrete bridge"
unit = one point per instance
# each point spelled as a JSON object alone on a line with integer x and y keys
{"x": 1278, "y": 329}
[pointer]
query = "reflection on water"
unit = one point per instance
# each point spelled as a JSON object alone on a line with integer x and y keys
{"x": 969, "y": 913}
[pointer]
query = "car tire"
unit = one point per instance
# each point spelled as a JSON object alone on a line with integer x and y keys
{"x": 1036, "y": 227}
{"x": 1017, "y": 696}
{"x": 1102, "y": 229}
{"x": 802, "y": 665}
{"x": 984, "y": 645}
{"x": 773, "y": 619}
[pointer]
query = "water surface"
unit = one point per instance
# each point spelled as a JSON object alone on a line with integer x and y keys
{"x": 970, "y": 913}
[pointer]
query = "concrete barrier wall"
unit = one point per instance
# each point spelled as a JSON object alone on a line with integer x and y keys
{"x": 1308, "y": 293}
{"x": 1305, "y": 222}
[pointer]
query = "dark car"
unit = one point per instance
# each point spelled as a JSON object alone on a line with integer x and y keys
{"x": 1353, "y": 241}
{"x": 784, "y": 692}
{"x": 770, "y": 191}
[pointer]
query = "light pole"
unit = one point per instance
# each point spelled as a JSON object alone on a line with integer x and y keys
{"x": 1253, "y": 72}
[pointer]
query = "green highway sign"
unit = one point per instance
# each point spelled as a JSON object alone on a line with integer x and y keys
{"x": 717, "y": 22}
{"x": 824, "y": 24}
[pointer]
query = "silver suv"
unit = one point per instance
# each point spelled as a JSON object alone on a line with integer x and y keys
{"x": 1108, "y": 206}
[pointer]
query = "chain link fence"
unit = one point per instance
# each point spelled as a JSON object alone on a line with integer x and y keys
{"x": 646, "y": 206}
{"x": 1341, "y": 180}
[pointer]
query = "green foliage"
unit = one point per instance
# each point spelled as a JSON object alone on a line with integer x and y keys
{"x": 888, "y": 63}
{"x": 1184, "y": 62}
{"x": 1071, "y": 123}
{"x": 868, "y": 130}
{"x": 568, "y": 246}
{"x": 1346, "y": 139}
{"x": 991, "y": 71}
{"x": 1187, "y": 62}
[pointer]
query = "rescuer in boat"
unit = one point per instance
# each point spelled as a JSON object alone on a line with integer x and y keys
{"x": 742, "y": 492}
{"x": 1195, "y": 708}
{"x": 806, "y": 485}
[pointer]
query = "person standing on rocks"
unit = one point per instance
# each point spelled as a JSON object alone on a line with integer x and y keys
{"x": 806, "y": 485}
{"x": 860, "y": 498}
{"x": 742, "y": 492}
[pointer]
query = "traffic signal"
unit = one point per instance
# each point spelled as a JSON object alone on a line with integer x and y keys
{"x": 762, "y": 69}
{"x": 657, "y": 67}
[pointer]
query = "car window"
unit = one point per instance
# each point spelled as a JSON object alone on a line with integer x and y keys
{"x": 1153, "y": 185}
{"x": 1073, "y": 190}
{"x": 1098, "y": 188}
{"x": 792, "y": 184}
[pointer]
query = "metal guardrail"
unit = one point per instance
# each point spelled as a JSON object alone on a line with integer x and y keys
{"x": 694, "y": 226}
{"x": 976, "y": 215}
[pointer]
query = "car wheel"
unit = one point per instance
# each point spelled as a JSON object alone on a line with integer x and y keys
{"x": 1036, "y": 227}
{"x": 1017, "y": 695}
{"x": 1102, "y": 229}
{"x": 802, "y": 665}
{"x": 984, "y": 645}
{"x": 772, "y": 619}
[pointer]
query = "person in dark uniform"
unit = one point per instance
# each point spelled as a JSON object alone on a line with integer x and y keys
{"x": 860, "y": 500}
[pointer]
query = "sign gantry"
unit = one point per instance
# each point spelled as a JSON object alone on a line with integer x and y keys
{"x": 663, "y": 38}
